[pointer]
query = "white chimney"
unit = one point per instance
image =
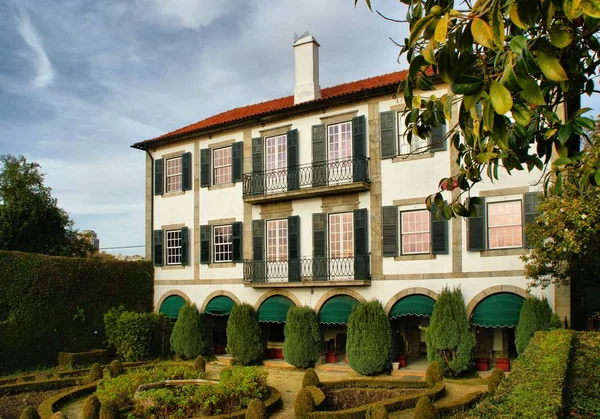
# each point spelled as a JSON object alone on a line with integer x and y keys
{"x": 306, "y": 52}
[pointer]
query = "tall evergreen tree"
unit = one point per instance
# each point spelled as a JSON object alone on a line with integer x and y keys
{"x": 243, "y": 334}
{"x": 190, "y": 336}
{"x": 302, "y": 337}
{"x": 535, "y": 315}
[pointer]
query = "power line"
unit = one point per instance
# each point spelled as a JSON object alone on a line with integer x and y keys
{"x": 122, "y": 247}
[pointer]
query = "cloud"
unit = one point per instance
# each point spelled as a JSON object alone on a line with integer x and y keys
{"x": 190, "y": 14}
{"x": 45, "y": 72}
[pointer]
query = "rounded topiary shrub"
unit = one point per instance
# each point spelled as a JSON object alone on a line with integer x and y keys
{"x": 310, "y": 378}
{"x": 317, "y": 393}
{"x": 535, "y": 315}
{"x": 29, "y": 413}
{"x": 115, "y": 368}
{"x": 434, "y": 373}
{"x": 369, "y": 339}
{"x": 91, "y": 408}
{"x": 256, "y": 410}
{"x": 494, "y": 381}
{"x": 226, "y": 373}
{"x": 96, "y": 372}
{"x": 199, "y": 364}
{"x": 190, "y": 336}
{"x": 302, "y": 337}
{"x": 425, "y": 409}
{"x": 304, "y": 403}
{"x": 376, "y": 411}
{"x": 243, "y": 334}
{"x": 109, "y": 410}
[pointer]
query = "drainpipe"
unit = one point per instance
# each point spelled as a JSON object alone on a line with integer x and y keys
{"x": 151, "y": 198}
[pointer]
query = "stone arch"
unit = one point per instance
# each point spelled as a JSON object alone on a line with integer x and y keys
{"x": 491, "y": 291}
{"x": 271, "y": 293}
{"x": 338, "y": 291}
{"x": 218, "y": 294}
{"x": 405, "y": 293}
{"x": 169, "y": 294}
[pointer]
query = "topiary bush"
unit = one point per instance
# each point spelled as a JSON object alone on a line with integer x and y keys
{"x": 256, "y": 410}
{"x": 535, "y": 315}
{"x": 109, "y": 410}
{"x": 244, "y": 335}
{"x": 225, "y": 374}
{"x": 304, "y": 403}
{"x": 425, "y": 409}
{"x": 376, "y": 411}
{"x": 494, "y": 381}
{"x": 449, "y": 340}
{"x": 310, "y": 378}
{"x": 130, "y": 333}
{"x": 199, "y": 364}
{"x": 91, "y": 408}
{"x": 369, "y": 339}
{"x": 302, "y": 337}
{"x": 555, "y": 322}
{"x": 190, "y": 336}
{"x": 29, "y": 413}
{"x": 96, "y": 372}
{"x": 58, "y": 415}
{"x": 115, "y": 368}
{"x": 434, "y": 374}
{"x": 317, "y": 393}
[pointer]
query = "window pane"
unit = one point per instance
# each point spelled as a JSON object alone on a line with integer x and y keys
{"x": 222, "y": 165}
{"x": 415, "y": 232}
{"x": 504, "y": 225}
{"x": 174, "y": 247}
{"x": 223, "y": 246}
{"x": 174, "y": 174}
{"x": 417, "y": 144}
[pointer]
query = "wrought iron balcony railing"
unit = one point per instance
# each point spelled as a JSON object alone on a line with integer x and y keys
{"x": 307, "y": 269}
{"x": 326, "y": 173}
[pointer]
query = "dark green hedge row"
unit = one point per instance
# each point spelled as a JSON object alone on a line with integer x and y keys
{"x": 39, "y": 385}
{"x": 49, "y": 406}
{"x": 83, "y": 359}
{"x": 450, "y": 409}
{"x": 372, "y": 383}
{"x": 50, "y": 304}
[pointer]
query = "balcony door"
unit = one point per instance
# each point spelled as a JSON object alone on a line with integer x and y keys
{"x": 339, "y": 152}
{"x": 277, "y": 251}
{"x": 341, "y": 246}
{"x": 276, "y": 162}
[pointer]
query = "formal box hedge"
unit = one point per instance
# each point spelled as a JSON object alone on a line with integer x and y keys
{"x": 82, "y": 359}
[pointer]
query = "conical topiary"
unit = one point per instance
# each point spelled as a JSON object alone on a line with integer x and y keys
{"x": 494, "y": 381}
{"x": 376, "y": 411}
{"x": 91, "y": 408}
{"x": 29, "y": 413}
{"x": 243, "y": 334}
{"x": 190, "y": 336}
{"x": 302, "y": 337}
{"x": 304, "y": 403}
{"x": 310, "y": 378}
{"x": 109, "y": 410}
{"x": 199, "y": 364}
{"x": 434, "y": 374}
{"x": 115, "y": 368}
{"x": 535, "y": 315}
{"x": 256, "y": 410}
{"x": 96, "y": 372}
{"x": 425, "y": 409}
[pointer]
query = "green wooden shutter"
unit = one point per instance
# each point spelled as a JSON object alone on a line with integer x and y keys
{"x": 205, "y": 232}
{"x": 439, "y": 233}
{"x": 437, "y": 135}
{"x": 359, "y": 149}
{"x": 389, "y": 220}
{"x": 530, "y": 211}
{"x": 237, "y": 242}
{"x": 258, "y": 176}
{"x": 361, "y": 244}
{"x": 186, "y": 171}
{"x": 476, "y": 229}
{"x": 293, "y": 179}
{"x": 258, "y": 262}
{"x": 205, "y": 167}
{"x": 320, "y": 264}
{"x": 159, "y": 176}
{"x": 294, "y": 248}
{"x": 184, "y": 246}
{"x": 319, "y": 156}
{"x": 387, "y": 129}
{"x": 237, "y": 161}
{"x": 157, "y": 244}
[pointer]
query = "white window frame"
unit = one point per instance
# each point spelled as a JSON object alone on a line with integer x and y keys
{"x": 276, "y": 168}
{"x": 340, "y": 152}
{"x": 341, "y": 235}
{"x": 277, "y": 240}
{"x": 175, "y": 177}
{"x": 518, "y": 238}
{"x": 173, "y": 247}
{"x": 222, "y": 172}
{"x": 417, "y": 145}
{"x": 223, "y": 250}
{"x": 415, "y": 233}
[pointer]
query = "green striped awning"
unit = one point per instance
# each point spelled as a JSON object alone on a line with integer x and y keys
{"x": 274, "y": 309}
{"x": 219, "y": 306}
{"x": 171, "y": 305}
{"x": 413, "y": 305}
{"x": 337, "y": 310}
{"x": 498, "y": 310}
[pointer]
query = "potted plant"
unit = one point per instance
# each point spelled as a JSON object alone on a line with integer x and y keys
{"x": 503, "y": 362}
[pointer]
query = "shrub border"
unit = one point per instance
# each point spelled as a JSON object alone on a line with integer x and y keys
{"x": 46, "y": 408}
{"x": 272, "y": 404}
{"x": 84, "y": 358}
{"x": 39, "y": 385}
{"x": 374, "y": 383}
{"x": 459, "y": 405}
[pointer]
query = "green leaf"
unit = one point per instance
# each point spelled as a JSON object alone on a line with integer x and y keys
{"x": 562, "y": 161}
{"x": 513, "y": 13}
{"x": 532, "y": 94}
{"x": 500, "y": 98}
{"x": 460, "y": 209}
{"x": 551, "y": 67}
{"x": 444, "y": 66}
{"x": 499, "y": 134}
{"x": 564, "y": 133}
{"x": 558, "y": 185}
{"x": 429, "y": 52}
{"x": 488, "y": 115}
{"x": 509, "y": 79}
{"x": 518, "y": 44}
{"x": 521, "y": 114}
{"x": 467, "y": 85}
{"x": 591, "y": 8}
{"x": 482, "y": 33}
{"x": 418, "y": 28}
{"x": 415, "y": 66}
{"x": 441, "y": 30}
{"x": 572, "y": 9}
{"x": 446, "y": 212}
{"x": 469, "y": 101}
{"x": 585, "y": 123}
{"x": 560, "y": 38}
{"x": 498, "y": 24}
{"x": 597, "y": 177}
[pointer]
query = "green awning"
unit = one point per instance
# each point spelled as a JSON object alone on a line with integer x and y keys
{"x": 219, "y": 306}
{"x": 498, "y": 310}
{"x": 171, "y": 305}
{"x": 274, "y": 309}
{"x": 337, "y": 310}
{"x": 413, "y": 305}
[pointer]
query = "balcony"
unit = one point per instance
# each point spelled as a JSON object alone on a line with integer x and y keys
{"x": 308, "y": 271}
{"x": 308, "y": 180}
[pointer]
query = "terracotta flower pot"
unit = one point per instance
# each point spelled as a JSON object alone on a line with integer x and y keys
{"x": 330, "y": 357}
{"x": 503, "y": 364}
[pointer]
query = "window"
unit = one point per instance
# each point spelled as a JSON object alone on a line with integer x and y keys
{"x": 415, "y": 232}
{"x": 174, "y": 174}
{"x": 341, "y": 235}
{"x": 339, "y": 150}
{"x": 223, "y": 243}
{"x": 276, "y": 161}
{"x": 174, "y": 247}
{"x": 222, "y": 165}
{"x": 417, "y": 143}
{"x": 277, "y": 240}
{"x": 505, "y": 225}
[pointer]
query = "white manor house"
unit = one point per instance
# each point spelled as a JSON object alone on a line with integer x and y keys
{"x": 317, "y": 199}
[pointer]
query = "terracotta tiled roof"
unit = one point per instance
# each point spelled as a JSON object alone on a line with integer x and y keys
{"x": 283, "y": 103}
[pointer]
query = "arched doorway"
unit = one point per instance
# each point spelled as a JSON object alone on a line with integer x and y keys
{"x": 333, "y": 318}
{"x": 171, "y": 305}
{"x": 407, "y": 317}
{"x": 271, "y": 316}
{"x": 217, "y": 313}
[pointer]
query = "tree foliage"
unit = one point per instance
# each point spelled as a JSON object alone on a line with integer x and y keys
{"x": 190, "y": 336}
{"x": 302, "y": 337}
{"x": 535, "y": 315}
{"x": 30, "y": 219}
{"x": 369, "y": 339}
{"x": 512, "y": 66}
{"x": 449, "y": 340}
{"x": 243, "y": 334}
